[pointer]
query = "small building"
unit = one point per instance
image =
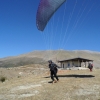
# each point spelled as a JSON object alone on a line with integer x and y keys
{"x": 75, "y": 62}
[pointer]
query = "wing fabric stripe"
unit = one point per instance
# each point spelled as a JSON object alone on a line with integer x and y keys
{"x": 45, "y": 11}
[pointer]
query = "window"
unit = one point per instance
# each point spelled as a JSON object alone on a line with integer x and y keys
{"x": 68, "y": 64}
{"x": 63, "y": 65}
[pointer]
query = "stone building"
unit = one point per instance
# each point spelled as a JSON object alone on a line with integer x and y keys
{"x": 75, "y": 62}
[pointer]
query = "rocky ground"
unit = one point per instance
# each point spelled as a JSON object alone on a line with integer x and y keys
{"x": 28, "y": 83}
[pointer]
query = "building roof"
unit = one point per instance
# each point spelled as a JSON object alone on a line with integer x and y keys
{"x": 75, "y": 59}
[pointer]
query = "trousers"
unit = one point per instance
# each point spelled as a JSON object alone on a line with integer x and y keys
{"x": 54, "y": 74}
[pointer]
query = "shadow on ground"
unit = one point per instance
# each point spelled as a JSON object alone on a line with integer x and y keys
{"x": 74, "y": 75}
{"x": 50, "y": 82}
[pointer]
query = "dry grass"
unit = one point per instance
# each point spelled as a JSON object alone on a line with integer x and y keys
{"x": 73, "y": 85}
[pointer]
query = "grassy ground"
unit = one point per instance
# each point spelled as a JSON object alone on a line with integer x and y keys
{"x": 73, "y": 85}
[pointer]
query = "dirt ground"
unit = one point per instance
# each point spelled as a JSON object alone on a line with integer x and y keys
{"x": 28, "y": 83}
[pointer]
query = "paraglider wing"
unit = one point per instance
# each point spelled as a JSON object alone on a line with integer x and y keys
{"x": 45, "y": 11}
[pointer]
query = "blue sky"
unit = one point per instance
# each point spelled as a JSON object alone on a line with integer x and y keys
{"x": 75, "y": 26}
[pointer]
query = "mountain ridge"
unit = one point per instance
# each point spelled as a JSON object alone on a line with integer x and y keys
{"x": 38, "y": 57}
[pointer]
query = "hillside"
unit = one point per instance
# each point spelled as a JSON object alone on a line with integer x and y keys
{"x": 41, "y": 57}
{"x": 73, "y": 85}
{"x": 27, "y": 77}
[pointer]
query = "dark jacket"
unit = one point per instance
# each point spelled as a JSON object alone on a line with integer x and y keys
{"x": 53, "y": 67}
{"x": 90, "y": 66}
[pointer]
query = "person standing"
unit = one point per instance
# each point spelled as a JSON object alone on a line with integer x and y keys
{"x": 53, "y": 71}
{"x": 90, "y": 66}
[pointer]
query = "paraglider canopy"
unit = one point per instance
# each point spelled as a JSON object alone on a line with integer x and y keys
{"x": 45, "y": 11}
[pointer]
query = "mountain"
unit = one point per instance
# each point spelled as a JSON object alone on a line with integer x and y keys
{"x": 41, "y": 57}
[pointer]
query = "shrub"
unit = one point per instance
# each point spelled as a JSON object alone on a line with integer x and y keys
{"x": 18, "y": 76}
{"x": 2, "y": 79}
